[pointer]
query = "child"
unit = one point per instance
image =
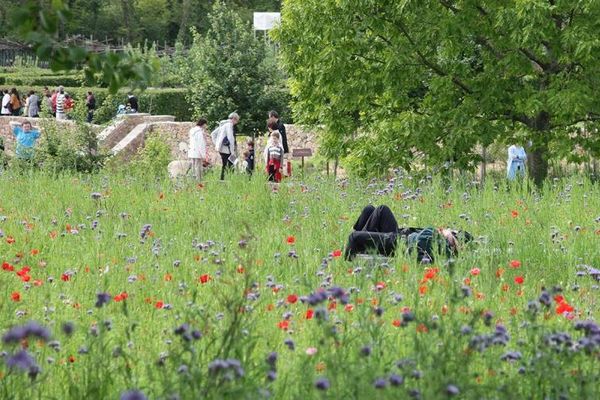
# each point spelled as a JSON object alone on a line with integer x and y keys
{"x": 249, "y": 157}
{"x": 25, "y": 137}
{"x": 273, "y": 155}
{"x": 197, "y": 149}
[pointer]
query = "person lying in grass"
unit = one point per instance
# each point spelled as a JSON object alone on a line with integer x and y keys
{"x": 377, "y": 231}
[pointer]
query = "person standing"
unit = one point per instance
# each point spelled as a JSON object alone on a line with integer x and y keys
{"x": 59, "y": 104}
{"x": 133, "y": 103}
{"x": 6, "y": 103}
{"x": 197, "y": 149}
{"x": 224, "y": 140}
{"x": 274, "y": 116}
{"x": 516, "y": 162}
{"x": 33, "y": 105}
{"x": 15, "y": 102}
{"x": 90, "y": 103}
{"x": 273, "y": 154}
{"x": 25, "y": 137}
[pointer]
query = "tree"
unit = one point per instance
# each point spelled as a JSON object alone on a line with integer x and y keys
{"x": 429, "y": 80}
{"x": 231, "y": 70}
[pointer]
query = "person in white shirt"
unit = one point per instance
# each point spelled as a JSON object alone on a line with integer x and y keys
{"x": 5, "y": 102}
{"x": 516, "y": 162}
{"x": 224, "y": 139}
{"x": 197, "y": 149}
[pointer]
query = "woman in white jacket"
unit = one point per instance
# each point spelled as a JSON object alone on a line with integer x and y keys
{"x": 197, "y": 149}
{"x": 516, "y": 162}
{"x": 224, "y": 140}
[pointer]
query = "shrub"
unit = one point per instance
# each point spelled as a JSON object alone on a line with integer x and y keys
{"x": 154, "y": 157}
{"x": 68, "y": 148}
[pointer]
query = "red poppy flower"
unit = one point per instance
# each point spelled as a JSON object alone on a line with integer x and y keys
{"x": 10, "y": 240}
{"x": 380, "y": 285}
{"x": 421, "y": 328}
{"x": 397, "y": 323}
{"x": 121, "y": 296}
{"x": 515, "y": 263}
{"x": 34, "y": 252}
{"x": 285, "y": 324}
{"x": 475, "y": 271}
{"x": 65, "y": 277}
{"x": 26, "y": 278}
{"x": 15, "y": 296}
{"x": 348, "y": 307}
{"x": 159, "y": 304}
{"x": 37, "y": 282}
{"x": 168, "y": 277}
{"x": 291, "y": 239}
{"x": 7, "y": 267}
{"x": 309, "y": 313}
{"x": 514, "y": 213}
{"x": 337, "y": 253}
{"x": 292, "y": 298}
{"x": 71, "y": 359}
{"x": 505, "y": 287}
{"x": 204, "y": 278}
{"x": 499, "y": 272}
{"x": 564, "y": 307}
{"x": 467, "y": 281}
{"x": 422, "y": 290}
{"x": 240, "y": 269}
{"x": 332, "y": 305}
{"x": 23, "y": 271}
{"x": 559, "y": 298}
{"x": 519, "y": 280}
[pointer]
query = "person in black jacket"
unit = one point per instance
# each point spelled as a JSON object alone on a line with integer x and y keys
{"x": 273, "y": 115}
{"x": 133, "y": 103}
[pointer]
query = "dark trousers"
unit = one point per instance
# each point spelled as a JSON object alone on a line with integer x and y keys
{"x": 227, "y": 165}
{"x": 380, "y": 219}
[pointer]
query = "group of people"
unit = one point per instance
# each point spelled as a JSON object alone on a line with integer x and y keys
{"x": 224, "y": 140}
{"x": 57, "y": 102}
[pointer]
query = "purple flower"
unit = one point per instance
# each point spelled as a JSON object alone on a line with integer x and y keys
{"x": 365, "y": 351}
{"x": 452, "y": 390}
{"x": 272, "y": 359}
{"x": 133, "y": 395}
{"x": 378, "y": 311}
{"x": 290, "y": 344}
{"x": 396, "y": 380}
{"x": 102, "y": 299}
{"x": 271, "y": 375}
{"x": 380, "y": 383}
{"x": 31, "y": 328}
{"x": 322, "y": 384}
{"x": 21, "y": 359}
{"x": 511, "y": 356}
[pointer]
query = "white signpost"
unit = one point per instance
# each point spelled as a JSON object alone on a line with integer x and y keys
{"x": 264, "y": 21}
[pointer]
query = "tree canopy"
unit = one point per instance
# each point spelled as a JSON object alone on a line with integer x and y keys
{"x": 133, "y": 21}
{"x": 402, "y": 80}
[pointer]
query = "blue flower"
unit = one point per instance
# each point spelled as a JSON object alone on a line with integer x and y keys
{"x": 102, "y": 299}
{"x": 322, "y": 384}
{"x": 133, "y": 395}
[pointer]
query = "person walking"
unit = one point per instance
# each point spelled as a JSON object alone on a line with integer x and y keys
{"x": 33, "y": 105}
{"x": 6, "y": 108}
{"x": 224, "y": 139}
{"x": 516, "y": 162}
{"x": 197, "y": 149}
{"x": 90, "y": 103}
{"x": 59, "y": 104}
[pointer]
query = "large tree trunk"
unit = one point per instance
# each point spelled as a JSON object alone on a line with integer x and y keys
{"x": 537, "y": 159}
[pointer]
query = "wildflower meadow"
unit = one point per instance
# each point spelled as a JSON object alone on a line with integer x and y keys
{"x": 129, "y": 287}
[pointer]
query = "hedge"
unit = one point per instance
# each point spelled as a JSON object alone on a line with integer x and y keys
{"x": 153, "y": 101}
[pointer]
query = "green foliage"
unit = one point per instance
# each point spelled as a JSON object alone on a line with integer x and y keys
{"x": 153, "y": 158}
{"x": 230, "y": 70}
{"x": 65, "y": 147}
{"x": 436, "y": 78}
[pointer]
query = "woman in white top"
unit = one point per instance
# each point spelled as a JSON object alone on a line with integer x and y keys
{"x": 224, "y": 140}
{"x": 197, "y": 149}
{"x": 516, "y": 162}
